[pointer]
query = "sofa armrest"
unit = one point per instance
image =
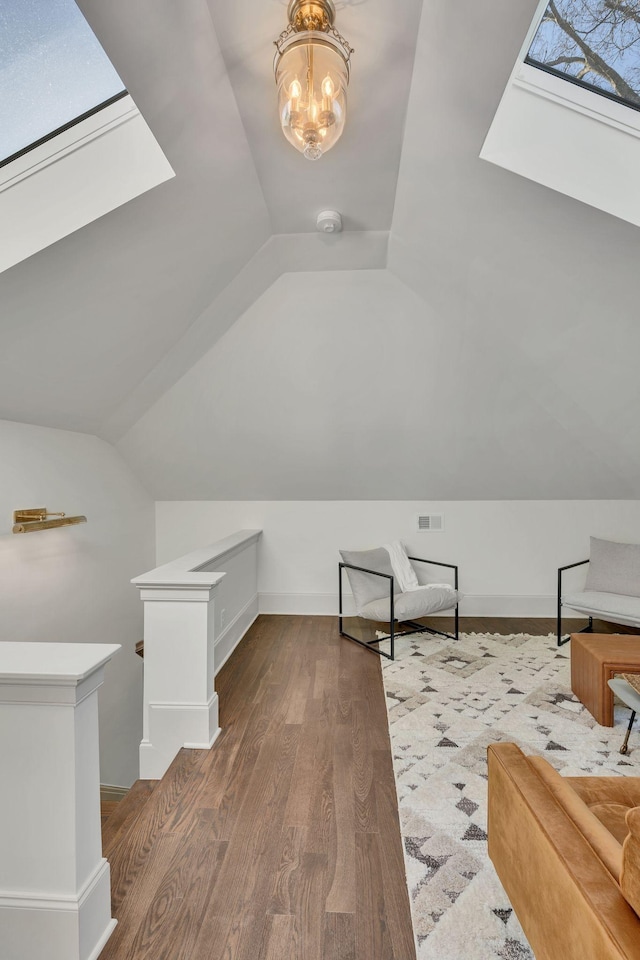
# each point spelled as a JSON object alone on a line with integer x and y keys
{"x": 549, "y": 870}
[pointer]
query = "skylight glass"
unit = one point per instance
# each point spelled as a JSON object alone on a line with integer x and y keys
{"x": 53, "y": 72}
{"x": 594, "y": 43}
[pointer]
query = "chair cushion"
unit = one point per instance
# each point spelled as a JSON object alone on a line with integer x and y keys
{"x": 607, "y": 606}
{"x": 413, "y": 604}
{"x": 365, "y": 587}
{"x": 614, "y": 568}
{"x": 622, "y": 689}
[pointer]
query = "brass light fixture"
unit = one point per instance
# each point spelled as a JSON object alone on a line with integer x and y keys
{"x": 26, "y": 521}
{"x": 312, "y": 67}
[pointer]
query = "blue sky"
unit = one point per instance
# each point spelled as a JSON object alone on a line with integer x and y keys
{"x": 550, "y": 38}
{"x": 52, "y": 70}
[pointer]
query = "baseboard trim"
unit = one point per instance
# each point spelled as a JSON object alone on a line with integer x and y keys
{"x": 309, "y": 604}
{"x": 110, "y": 794}
{"x": 326, "y": 604}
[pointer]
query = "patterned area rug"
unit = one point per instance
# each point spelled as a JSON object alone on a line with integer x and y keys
{"x": 447, "y": 701}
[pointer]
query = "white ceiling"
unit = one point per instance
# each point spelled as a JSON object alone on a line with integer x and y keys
{"x": 98, "y": 310}
{"x": 532, "y": 294}
{"x": 358, "y": 177}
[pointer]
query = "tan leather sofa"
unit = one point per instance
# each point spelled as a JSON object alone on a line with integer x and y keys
{"x": 567, "y": 851}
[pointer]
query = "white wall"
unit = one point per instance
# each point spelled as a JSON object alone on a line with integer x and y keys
{"x": 350, "y": 386}
{"x": 72, "y": 584}
{"x": 508, "y": 551}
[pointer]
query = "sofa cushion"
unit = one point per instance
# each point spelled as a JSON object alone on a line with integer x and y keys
{"x": 364, "y": 586}
{"x": 607, "y": 606}
{"x": 614, "y": 568}
{"x": 630, "y": 873}
{"x": 613, "y": 816}
{"x": 594, "y": 790}
{"x": 413, "y": 604}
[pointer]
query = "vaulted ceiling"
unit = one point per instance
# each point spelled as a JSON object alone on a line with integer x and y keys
{"x": 524, "y": 300}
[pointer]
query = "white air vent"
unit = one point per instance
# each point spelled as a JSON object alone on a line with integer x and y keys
{"x": 431, "y": 521}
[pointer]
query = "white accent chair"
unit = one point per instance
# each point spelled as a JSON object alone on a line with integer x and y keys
{"x": 377, "y": 597}
{"x": 612, "y": 588}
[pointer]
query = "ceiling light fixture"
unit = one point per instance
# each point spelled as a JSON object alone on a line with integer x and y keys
{"x": 312, "y": 68}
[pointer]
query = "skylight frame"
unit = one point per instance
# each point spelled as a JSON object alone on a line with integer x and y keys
{"x": 611, "y": 111}
{"x": 77, "y": 177}
{"x": 65, "y": 126}
{"x": 566, "y": 77}
{"x": 55, "y": 73}
{"x": 566, "y": 137}
{"x": 51, "y": 149}
{"x": 88, "y": 166}
{"x": 576, "y": 96}
{"x": 560, "y": 75}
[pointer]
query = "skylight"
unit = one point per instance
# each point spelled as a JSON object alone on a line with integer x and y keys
{"x": 53, "y": 72}
{"x": 593, "y": 43}
{"x": 564, "y": 118}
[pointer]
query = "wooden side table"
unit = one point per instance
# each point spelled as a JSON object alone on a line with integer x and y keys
{"x": 595, "y": 659}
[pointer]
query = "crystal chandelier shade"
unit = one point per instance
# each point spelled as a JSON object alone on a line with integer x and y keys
{"x": 312, "y": 74}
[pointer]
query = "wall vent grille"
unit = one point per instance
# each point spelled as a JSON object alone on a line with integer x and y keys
{"x": 431, "y": 521}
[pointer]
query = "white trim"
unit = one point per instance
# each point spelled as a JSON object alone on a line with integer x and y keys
{"x": 485, "y": 605}
{"x": 173, "y": 725}
{"x": 47, "y": 901}
{"x": 188, "y": 572}
{"x": 566, "y": 137}
{"x": 59, "y": 927}
{"x": 231, "y": 636}
{"x": 573, "y": 97}
{"x": 58, "y": 146}
{"x": 305, "y": 604}
{"x": 100, "y": 945}
{"x": 75, "y": 177}
{"x": 204, "y": 746}
{"x": 110, "y": 793}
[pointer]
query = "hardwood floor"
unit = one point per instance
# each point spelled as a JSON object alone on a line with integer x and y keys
{"x": 283, "y": 841}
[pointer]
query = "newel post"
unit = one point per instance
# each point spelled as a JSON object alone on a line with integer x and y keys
{"x": 180, "y": 703}
{"x": 55, "y": 898}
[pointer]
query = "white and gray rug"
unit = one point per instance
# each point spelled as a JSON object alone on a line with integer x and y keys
{"x": 447, "y": 701}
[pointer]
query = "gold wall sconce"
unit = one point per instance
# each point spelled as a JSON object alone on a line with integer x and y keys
{"x": 26, "y": 521}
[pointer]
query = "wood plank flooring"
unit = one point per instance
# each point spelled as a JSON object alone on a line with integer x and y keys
{"x": 283, "y": 841}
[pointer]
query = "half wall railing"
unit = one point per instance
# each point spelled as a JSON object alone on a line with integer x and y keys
{"x": 196, "y": 610}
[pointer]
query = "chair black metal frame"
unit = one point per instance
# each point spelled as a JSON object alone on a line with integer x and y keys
{"x": 624, "y": 749}
{"x": 417, "y": 627}
{"x": 588, "y": 629}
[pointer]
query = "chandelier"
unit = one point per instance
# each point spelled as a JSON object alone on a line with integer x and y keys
{"x": 312, "y": 67}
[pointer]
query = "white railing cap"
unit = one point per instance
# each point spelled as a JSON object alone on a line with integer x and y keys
{"x": 187, "y": 572}
{"x": 54, "y": 662}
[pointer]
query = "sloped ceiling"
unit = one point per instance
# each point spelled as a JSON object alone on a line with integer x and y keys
{"x": 348, "y": 385}
{"x": 83, "y": 321}
{"x": 517, "y": 305}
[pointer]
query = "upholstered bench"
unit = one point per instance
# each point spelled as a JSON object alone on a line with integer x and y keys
{"x": 612, "y": 588}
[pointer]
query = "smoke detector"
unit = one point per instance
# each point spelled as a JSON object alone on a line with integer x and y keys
{"x": 329, "y": 221}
